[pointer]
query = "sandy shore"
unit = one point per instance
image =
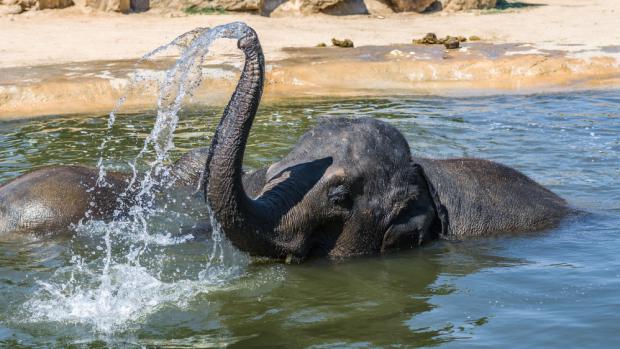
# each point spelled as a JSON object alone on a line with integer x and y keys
{"x": 556, "y": 43}
{"x": 585, "y": 27}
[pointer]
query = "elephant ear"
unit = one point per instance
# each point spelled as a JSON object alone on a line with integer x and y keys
{"x": 440, "y": 209}
{"x": 420, "y": 221}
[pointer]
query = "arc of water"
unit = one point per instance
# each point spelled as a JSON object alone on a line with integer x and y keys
{"x": 180, "y": 42}
{"x": 180, "y": 82}
{"x": 110, "y": 296}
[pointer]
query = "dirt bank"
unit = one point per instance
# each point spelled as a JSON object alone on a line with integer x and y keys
{"x": 475, "y": 69}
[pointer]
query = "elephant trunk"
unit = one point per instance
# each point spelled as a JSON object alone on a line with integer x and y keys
{"x": 243, "y": 220}
{"x": 188, "y": 170}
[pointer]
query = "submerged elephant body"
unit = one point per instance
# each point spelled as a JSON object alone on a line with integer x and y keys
{"x": 482, "y": 198}
{"x": 351, "y": 187}
{"x": 53, "y": 198}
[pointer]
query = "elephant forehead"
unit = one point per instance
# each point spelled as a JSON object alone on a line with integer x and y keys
{"x": 349, "y": 143}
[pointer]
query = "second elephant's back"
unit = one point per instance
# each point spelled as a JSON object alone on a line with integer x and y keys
{"x": 52, "y": 198}
{"x": 481, "y": 198}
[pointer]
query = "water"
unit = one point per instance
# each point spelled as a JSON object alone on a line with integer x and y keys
{"x": 560, "y": 288}
{"x": 128, "y": 279}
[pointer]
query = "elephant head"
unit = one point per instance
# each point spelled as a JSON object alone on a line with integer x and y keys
{"x": 348, "y": 187}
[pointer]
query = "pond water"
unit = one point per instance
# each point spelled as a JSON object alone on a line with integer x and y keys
{"x": 559, "y": 288}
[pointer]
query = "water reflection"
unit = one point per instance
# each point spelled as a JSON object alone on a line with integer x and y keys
{"x": 365, "y": 301}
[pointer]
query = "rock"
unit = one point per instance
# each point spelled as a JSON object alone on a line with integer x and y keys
{"x": 280, "y": 8}
{"x": 410, "y": 5}
{"x": 342, "y": 43}
{"x": 428, "y": 39}
{"x": 28, "y": 4}
{"x": 267, "y": 7}
{"x": 10, "y": 10}
{"x": 322, "y": 44}
{"x": 232, "y": 5}
{"x": 356, "y": 7}
{"x": 474, "y": 38}
{"x": 51, "y": 4}
{"x": 105, "y": 5}
{"x": 378, "y": 8}
{"x": 139, "y": 5}
{"x": 224, "y": 5}
{"x": 451, "y": 43}
{"x": 434, "y": 7}
{"x": 463, "y": 5}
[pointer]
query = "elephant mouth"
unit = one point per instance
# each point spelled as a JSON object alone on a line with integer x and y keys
{"x": 406, "y": 232}
{"x": 326, "y": 238}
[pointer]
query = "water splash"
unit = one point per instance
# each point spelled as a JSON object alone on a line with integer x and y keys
{"x": 119, "y": 272}
{"x": 140, "y": 76}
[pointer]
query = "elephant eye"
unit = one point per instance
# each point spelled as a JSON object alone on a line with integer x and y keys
{"x": 339, "y": 195}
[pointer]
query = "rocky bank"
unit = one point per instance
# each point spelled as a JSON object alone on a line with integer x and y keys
{"x": 263, "y": 7}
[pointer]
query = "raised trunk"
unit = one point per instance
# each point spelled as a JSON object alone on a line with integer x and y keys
{"x": 244, "y": 221}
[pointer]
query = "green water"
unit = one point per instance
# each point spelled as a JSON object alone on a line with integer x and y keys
{"x": 559, "y": 288}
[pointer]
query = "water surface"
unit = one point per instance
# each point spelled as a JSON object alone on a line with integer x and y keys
{"x": 559, "y": 288}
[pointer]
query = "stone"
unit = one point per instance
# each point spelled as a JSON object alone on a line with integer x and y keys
{"x": 105, "y": 5}
{"x": 233, "y": 5}
{"x": 139, "y": 5}
{"x": 29, "y": 4}
{"x": 451, "y": 43}
{"x": 431, "y": 39}
{"x": 321, "y": 44}
{"x": 410, "y": 5}
{"x": 51, "y": 4}
{"x": 464, "y": 5}
{"x": 279, "y": 8}
{"x": 428, "y": 39}
{"x": 346, "y": 43}
{"x": 26, "y": 5}
{"x": 282, "y": 8}
{"x": 350, "y": 7}
{"x": 10, "y": 10}
{"x": 224, "y": 5}
{"x": 378, "y": 8}
{"x": 434, "y": 7}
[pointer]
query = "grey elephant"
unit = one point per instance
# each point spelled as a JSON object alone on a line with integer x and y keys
{"x": 51, "y": 199}
{"x": 351, "y": 187}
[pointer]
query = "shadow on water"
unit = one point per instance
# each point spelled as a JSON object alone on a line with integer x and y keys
{"x": 365, "y": 302}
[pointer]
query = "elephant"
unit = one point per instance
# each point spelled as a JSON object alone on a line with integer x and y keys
{"x": 351, "y": 187}
{"x": 52, "y": 198}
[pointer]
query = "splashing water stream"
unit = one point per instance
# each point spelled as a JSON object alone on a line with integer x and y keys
{"x": 126, "y": 277}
